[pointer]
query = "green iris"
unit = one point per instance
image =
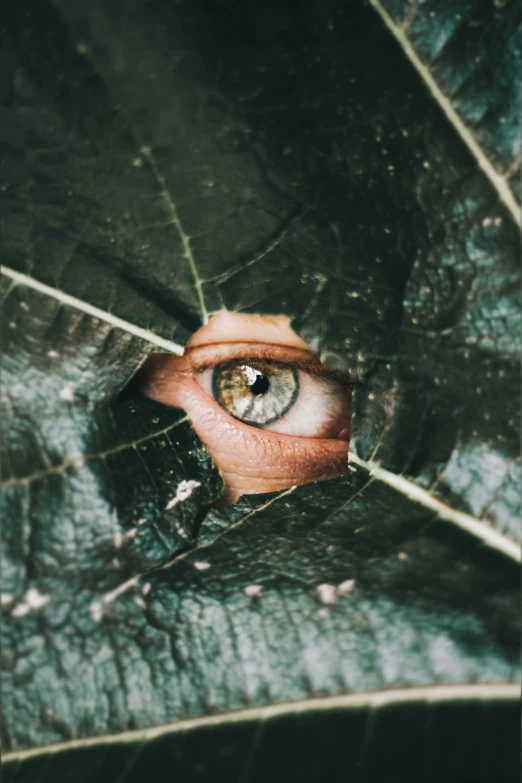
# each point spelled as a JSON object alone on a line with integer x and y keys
{"x": 256, "y": 391}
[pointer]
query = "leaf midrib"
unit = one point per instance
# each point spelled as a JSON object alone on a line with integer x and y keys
{"x": 498, "y": 181}
{"x": 79, "y": 304}
{"x": 429, "y": 694}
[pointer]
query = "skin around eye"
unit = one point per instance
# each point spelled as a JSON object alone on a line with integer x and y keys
{"x": 305, "y": 437}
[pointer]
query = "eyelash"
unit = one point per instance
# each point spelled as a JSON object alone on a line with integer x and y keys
{"x": 293, "y": 357}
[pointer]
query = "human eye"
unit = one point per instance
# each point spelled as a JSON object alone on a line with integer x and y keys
{"x": 269, "y": 413}
{"x": 259, "y": 392}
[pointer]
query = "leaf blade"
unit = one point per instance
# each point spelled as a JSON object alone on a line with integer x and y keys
{"x": 500, "y": 181}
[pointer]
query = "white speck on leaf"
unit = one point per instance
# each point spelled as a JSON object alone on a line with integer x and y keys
{"x": 184, "y": 491}
{"x": 96, "y": 609}
{"x": 35, "y": 599}
{"x": 21, "y": 610}
{"x": 32, "y": 601}
{"x": 202, "y": 566}
{"x": 6, "y": 599}
{"x": 346, "y": 587}
{"x": 253, "y": 591}
{"x": 120, "y": 538}
{"x": 67, "y": 394}
{"x": 179, "y": 530}
{"x": 327, "y": 594}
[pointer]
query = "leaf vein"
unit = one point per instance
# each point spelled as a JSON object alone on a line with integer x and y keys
{"x": 185, "y": 239}
{"x": 498, "y": 181}
{"x": 476, "y": 527}
{"x": 77, "y": 462}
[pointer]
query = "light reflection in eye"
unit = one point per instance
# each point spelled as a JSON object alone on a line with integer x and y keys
{"x": 270, "y": 414}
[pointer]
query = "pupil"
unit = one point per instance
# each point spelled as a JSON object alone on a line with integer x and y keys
{"x": 260, "y": 385}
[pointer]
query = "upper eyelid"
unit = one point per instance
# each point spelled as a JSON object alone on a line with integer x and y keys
{"x": 205, "y": 357}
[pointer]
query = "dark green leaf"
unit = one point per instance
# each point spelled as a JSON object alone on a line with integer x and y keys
{"x": 163, "y": 161}
{"x": 472, "y": 51}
